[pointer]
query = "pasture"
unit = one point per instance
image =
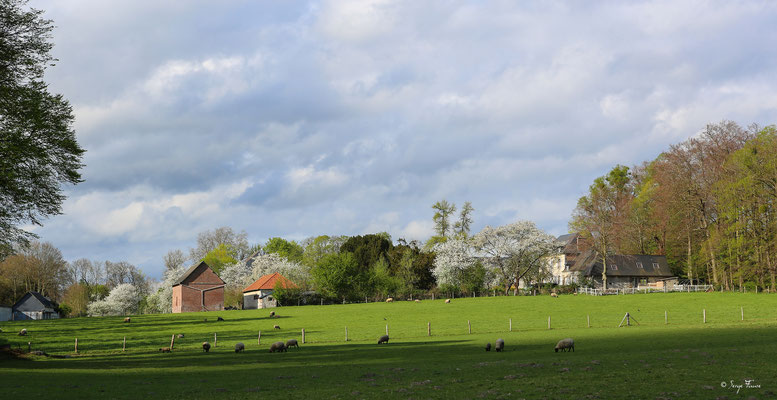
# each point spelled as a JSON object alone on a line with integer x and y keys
{"x": 685, "y": 358}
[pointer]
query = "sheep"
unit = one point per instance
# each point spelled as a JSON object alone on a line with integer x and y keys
{"x": 239, "y": 347}
{"x": 292, "y": 342}
{"x": 272, "y": 314}
{"x": 488, "y": 346}
{"x": 417, "y": 301}
{"x": 565, "y": 345}
{"x": 390, "y": 300}
{"x": 277, "y": 346}
{"x": 499, "y": 345}
{"x": 205, "y": 347}
{"x": 23, "y": 332}
{"x": 127, "y": 320}
{"x": 164, "y": 350}
{"x": 554, "y": 294}
{"x": 383, "y": 339}
{"x": 447, "y": 301}
{"x": 276, "y": 327}
{"x": 180, "y": 336}
{"x": 219, "y": 319}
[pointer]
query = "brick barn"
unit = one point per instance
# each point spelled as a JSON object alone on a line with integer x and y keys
{"x": 199, "y": 289}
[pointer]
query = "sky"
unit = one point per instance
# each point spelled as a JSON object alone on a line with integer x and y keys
{"x": 299, "y": 118}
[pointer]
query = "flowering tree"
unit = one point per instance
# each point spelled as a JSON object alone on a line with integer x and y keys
{"x": 161, "y": 300}
{"x": 515, "y": 250}
{"x": 454, "y": 257}
{"x": 122, "y": 300}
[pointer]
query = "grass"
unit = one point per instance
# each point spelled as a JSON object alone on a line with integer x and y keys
{"x": 683, "y": 359}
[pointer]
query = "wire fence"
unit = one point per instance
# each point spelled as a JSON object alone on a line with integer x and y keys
{"x": 645, "y": 290}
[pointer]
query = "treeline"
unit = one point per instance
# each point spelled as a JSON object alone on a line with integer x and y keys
{"x": 709, "y": 204}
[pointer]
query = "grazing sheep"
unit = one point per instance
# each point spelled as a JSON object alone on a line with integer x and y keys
{"x": 499, "y": 345}
{"x": 488, "y": 346}
{"x": 276, "y": 327}
{"x": 390, "y": 300}
{"x": 383, "y": 339}
{"x": 277, "y": 346}
{"x": 205, "y": 347}
{"x": 219, "y": 319}
{"x": 272, "y": 314}
{"x": 417, "y": 301}
{"x": 164, "y": 349}
{"x": 292, "y": 342}
{"x": 23, "y": 332}
{"x": 554, "y": 294}
{"x": 180, "y": 336}
{"x": 447, "y": 301}
{"x": 239, "y": 347}
{"x": 565, "y": 345}
{"x": 127, "y": 320}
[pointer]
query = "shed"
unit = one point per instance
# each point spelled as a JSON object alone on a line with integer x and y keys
{"x": 34, "y": 305}
{"x": 6, "y": 313}
{"x": 198, "y": 289}
{"x": 624, "y": 271}
{"x": 259, "y": 293}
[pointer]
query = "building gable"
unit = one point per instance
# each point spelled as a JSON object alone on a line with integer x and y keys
{"x": 33, "y": 301}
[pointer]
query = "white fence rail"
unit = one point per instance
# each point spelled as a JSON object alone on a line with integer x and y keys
{"x": 645, "y": 289}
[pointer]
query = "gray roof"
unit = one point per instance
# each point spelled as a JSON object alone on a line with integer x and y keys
{"x": 33, "y": 301}
{"x": 623, "y": 265}
{"x": 565, "y": 239}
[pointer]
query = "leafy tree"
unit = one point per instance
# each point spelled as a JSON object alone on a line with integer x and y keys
{"x": 289, "y": 250}
{"x": 37, "y": 142}
{"x": 209, "y": 240}
{"x": 286, "y": 295}
{"x": 463, "y": 225}
{"x": 317, "y": 247}
{"x": 442, "y": 215}
{"x": 336, "y": 275}
{"x": 124, "y": 299}
{"x": 412, "y": 265}
{"x": 117, "y": 273}
{"x": 38, "y": 267}
{"x": 367, "y": 249}
{"x": 220, "y": 257}
{"x": 77, "y": 298}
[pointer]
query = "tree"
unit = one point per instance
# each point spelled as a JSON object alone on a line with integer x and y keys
{"x": 86, "y": 272}
{"x": 289, "y": 250}
{"x": 124, "y": 299}
{"x": 161, "y": 300}
{"x": 442, "y": 215}
{"x": 37, "y": 267}
{"x": 174, "y": 259}
{"x": 209, "y": 240}
{"x": 452, "y": 259}
{"x": 77, "y": 297}
{"x": 462, "y": 226}
{"x": 117, "y": 273}
{"x": 336, "y": 275}
{"x": 317, "y": 247}
{"x": 37, "y": 142}
{"x": 220, "y": 257}
{"x": 367, "y": 249}
{"x": 515, "y": 250}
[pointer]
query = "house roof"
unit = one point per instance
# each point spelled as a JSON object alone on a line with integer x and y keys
{"x": 267, "y": 282}
{"x": 192, "y": 270}
{"x": 565, "y": 239}
{"x": 44, "y": 301}
{"x": 623, "y": 265}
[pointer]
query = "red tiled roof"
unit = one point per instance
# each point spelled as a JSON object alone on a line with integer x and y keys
{"x": 268, "y": 282}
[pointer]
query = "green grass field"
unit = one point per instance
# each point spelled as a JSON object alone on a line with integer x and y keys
{"x": 683, "y": 359}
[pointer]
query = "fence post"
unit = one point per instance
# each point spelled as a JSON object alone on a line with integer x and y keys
{"x": 215, "y": 340}
{"x": 124, "y": 344}
{"x": 346, "y": 333}
{"x": 428, "y": 329}
{"x": 511, "y": 324}
{"x": 666, "y": 317}
{"x": 432, "y": 296}
{"x": 469, "y": 327}
{"x": 303, "y": 335}
{"x": 386, "y": 329}
{"x": 588, "y": 318}
{"x": 742, "y": 311}
{"x": 704, "y": 314}
{"x": 259, "y": 338}
{"x": 172, "y": 341}
{"x": 548, "y": 321}
{"x": 76, "y": 345}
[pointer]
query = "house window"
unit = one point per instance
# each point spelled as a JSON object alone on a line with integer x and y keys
{"x": 256, "y": 297}
{"x": 613, "y": 267}
{"x": 269, "y": 298}
{"x": 639, "y": 265}
{"x": 655, "y": 265}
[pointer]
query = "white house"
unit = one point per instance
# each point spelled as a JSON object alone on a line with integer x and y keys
{"x": 259, "y": 293}
{"x": 560, "y": 265}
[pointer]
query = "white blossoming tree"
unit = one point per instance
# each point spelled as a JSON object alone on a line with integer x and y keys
{"x": 515, "y": 250}
{"x": 123, "y": 299}
{"x": 161, "y": 300}
{"x": 453, "y": 258}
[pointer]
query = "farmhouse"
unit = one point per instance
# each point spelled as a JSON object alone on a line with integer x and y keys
{"x": 561, "y": 272}
{"x": 625, "y": 271}
{"x": 259, "y": 293}
{"x": 34, "y": 305}
{"x": 198, "y": 289}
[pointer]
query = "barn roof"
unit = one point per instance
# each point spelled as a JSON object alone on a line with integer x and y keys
{"x": 267, "y": 282}
{"x": 192, "y": 270}
{"x": 624, "y": 265}
{"x": 24, "y": 302}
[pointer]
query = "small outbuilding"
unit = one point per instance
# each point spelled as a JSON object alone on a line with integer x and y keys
{"x": 198, "y": 289}
{"x": 34, "y": 305}
{"x": 6, "y": 313}
{"x": 259, "y": 293}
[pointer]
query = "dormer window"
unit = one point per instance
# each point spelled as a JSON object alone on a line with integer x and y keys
{"x": 613, "y": 267}
{"x": 639, "y": 265}
{"x": 655, "y": 265}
